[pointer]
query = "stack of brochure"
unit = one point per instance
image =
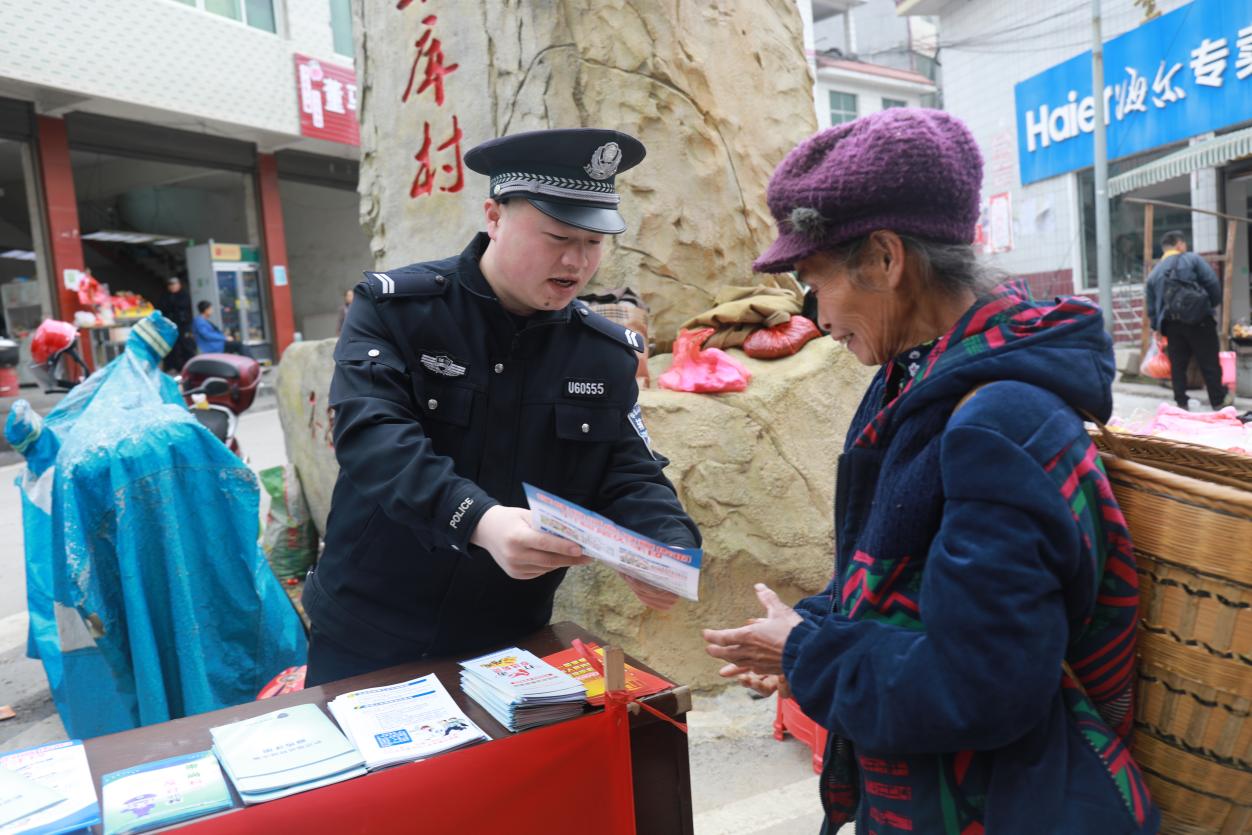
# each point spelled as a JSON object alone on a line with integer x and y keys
{"x": 47, "y": 789}
{"x": 521, "y": 690}
{"x": 285, "y": 752}
{"x": 162, "y": 793}
{"x": 403, "y": 722}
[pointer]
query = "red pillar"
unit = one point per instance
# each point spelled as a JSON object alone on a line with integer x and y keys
{"x": 275, "y": 253}
{"x": 56, "y": 179}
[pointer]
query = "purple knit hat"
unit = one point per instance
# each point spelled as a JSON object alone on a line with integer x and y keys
{"x": 914, "y": 171}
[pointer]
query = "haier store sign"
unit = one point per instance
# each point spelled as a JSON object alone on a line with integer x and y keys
{"x": 1183, "y": 74}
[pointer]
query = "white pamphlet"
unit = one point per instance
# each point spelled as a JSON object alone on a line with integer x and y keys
{"x": 403, "y": 722}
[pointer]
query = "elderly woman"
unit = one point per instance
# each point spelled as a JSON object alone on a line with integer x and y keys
{"x": 973, "y": 655}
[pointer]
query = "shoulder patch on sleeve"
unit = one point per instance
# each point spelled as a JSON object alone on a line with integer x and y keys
{"x": 406, "y": 281}
{"x": 606, "y": 327}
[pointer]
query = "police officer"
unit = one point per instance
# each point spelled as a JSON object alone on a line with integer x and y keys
{"x": 458, "y": 380}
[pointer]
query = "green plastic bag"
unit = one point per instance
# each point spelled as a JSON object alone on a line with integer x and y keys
{"x": 290, "y": 539}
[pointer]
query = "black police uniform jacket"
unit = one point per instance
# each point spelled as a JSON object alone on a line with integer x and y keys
{"x": 443, "y": 405}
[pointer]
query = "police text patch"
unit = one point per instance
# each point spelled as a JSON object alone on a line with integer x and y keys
{"x": 635, "y": 416}
{"x": 586, "y": 389}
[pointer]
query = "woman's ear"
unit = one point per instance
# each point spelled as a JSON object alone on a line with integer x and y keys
{"x": 889, "y": 256}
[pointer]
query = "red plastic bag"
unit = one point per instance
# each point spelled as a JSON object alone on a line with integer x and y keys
{"x": 288, "y": 681}
{"x": 1156, "y": 362}
{"x": 703, "y": 371}
{"x": 781, "y": 340}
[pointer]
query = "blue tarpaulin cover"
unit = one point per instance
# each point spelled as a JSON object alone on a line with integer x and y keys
{"x": 149, "y": 596}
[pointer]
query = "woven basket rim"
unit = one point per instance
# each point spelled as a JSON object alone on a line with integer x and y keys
{"x": 1206, "y": 493}
{"x": 1167, "y": 451}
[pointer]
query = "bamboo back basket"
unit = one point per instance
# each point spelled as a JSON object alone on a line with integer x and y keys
{"x": 1193, "y": 738}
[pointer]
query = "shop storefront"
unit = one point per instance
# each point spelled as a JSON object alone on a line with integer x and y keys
{"x": 1179, "y": 104}
{"x": 24, "y": 297}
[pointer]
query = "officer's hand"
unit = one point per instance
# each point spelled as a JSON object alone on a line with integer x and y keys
{"x": 521, "y": 551}
{"x": 648, "y": 595}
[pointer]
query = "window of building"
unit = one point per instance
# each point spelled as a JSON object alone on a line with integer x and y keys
{"x": 258, "y": 14}
{"x": 341, "y": 26}
{"x": 842, "y": 107}
{"x": 887, "y": 104}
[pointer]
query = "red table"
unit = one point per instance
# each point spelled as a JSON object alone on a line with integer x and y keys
{"x": 659, "y": 764}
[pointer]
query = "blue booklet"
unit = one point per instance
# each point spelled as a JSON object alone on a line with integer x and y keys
{"x": 165, "y": 792}
{"x": 60, "y": 767}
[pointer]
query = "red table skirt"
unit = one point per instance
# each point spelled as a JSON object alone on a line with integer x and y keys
{"x": 555, "y": 780}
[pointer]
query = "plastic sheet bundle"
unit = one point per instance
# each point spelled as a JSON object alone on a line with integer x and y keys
{"x": 149, "y": 596}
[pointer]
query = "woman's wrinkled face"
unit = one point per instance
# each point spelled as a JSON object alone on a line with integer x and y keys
{"x": 857, "y": 304}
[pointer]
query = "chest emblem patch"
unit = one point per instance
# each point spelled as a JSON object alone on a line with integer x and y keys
{"x": 443, "y": 365}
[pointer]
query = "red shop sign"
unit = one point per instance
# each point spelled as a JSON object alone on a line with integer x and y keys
{"x": 328, "y": 101}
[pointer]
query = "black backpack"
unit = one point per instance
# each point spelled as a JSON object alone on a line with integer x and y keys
{"x": 1185, "y": 300}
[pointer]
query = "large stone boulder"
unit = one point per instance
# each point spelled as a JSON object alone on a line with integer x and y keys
{"x": 756, "y": 470}
{"x": 302, "y": 385}
{"x": 718, "y": 90}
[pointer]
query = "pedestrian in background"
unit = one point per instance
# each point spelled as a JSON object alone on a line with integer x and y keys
{"x": 1181, "y": 295}
{"x": 209, "y": 337}
{"x": 175, "y": 305}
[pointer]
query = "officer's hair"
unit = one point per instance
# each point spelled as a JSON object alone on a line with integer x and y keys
{"x": 1173, "y": 238}
{"x": 946, "y": 268}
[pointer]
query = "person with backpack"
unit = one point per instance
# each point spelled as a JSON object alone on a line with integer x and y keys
{"x": 1181, "y": 294}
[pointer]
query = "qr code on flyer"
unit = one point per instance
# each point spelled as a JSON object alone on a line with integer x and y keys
{"x": 390, "y": 738}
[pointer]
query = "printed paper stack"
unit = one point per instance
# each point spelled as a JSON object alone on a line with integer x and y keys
{"x": 521, "y": 690}
{"x": 47, "y": 790}
{"x": 162, "y": 793}
{"x": 285, "y": 752}
{"x": 403, "y": 722}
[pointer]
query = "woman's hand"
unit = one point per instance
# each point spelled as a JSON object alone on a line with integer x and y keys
{"x": 760, "y": 685}
{"x": 649, "y": 595}
{"x": 758, "y": 647}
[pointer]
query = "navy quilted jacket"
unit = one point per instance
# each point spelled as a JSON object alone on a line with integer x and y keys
{"x": 976, "y": 552}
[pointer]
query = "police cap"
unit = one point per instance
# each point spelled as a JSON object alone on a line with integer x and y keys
{"x": 567, "y": 174}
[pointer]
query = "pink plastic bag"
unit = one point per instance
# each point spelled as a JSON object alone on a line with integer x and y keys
{"x": 1227, "y": 359}
{"x": 703, "y": 371}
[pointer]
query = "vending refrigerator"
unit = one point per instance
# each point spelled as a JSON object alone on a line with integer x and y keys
{"x": 230, "y": 277}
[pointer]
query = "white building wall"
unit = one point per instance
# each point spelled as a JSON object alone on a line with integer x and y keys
{"x": 869, "y": 92}
{"x": 165, "y": 55}
{"x": 987, "y": 46}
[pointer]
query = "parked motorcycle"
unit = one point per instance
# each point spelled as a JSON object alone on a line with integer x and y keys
{"x": 219, "y": 388}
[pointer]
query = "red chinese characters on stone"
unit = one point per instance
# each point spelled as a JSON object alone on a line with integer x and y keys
{"x": 443, "y": 164}
{"x": 430, "y": 48}
{"x": 424, "y": 181}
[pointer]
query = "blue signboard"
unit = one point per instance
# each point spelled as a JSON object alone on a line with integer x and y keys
{"x": 1183, "y": 74}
